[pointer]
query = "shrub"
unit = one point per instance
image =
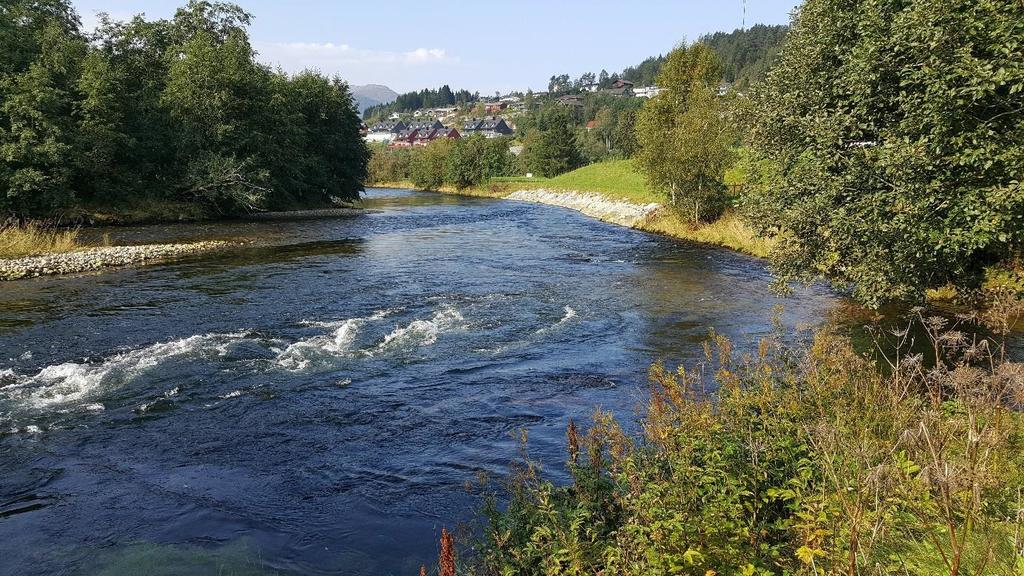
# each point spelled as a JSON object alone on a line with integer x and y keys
{"x": 429, "y": 165}
{"x": 793, "y": 460}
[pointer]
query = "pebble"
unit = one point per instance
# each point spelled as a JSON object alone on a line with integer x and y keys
{"x": 96, "y": 258}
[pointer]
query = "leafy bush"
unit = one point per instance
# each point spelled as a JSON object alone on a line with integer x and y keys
{"x": 430, "y": 164}
{"x": 791, "y": 461}
{"x": 476, "y": 159}
{"x": 889, "y": 145}
{"x": 389, "y": 164}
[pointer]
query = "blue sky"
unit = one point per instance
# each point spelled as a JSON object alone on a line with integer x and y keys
{"x": 485, "y": 45}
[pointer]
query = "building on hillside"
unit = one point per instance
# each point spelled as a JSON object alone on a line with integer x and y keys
{"x": 426, "y": 125}
{"x": 426, "y": 136}
{"x": 647, "y": 91}
{"x": 495, "y": 107}
{"x": 394, "y": 116}
{"x": 724, "y": 88}
{"x": 571, "y": 100}
{"x": 404, "y": 138}
{"x": 423, "y": 133}
{"x": 620, "y": 88}
{"x": 591, "y": 125}
{"x": 385, "y": 131}
{"x": 592, "y": 87}
{"x": 490, "y": 127}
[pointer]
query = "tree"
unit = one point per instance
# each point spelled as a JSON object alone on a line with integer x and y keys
{"x": 37, "y": 131}
{"x": 429, "y": 165}
{"x": 171, "y": 110}
{"x": 684, "y": 133}
{"x": 217, "y": 95}
{"x": 550, "y": 148}
{"x": 889, "y": 145}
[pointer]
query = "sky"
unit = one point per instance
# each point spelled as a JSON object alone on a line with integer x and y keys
{"x": 480, "y": 45}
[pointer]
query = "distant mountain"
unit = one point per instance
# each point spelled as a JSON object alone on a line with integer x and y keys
{"x": 372, "y": 95}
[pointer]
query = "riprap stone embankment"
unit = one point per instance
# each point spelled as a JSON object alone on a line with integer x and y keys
{"x": 594, "y": 205}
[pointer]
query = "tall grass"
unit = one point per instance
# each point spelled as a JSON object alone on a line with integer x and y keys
{"x": 809, "y": 460}
{"x": 34, "y": 238}
{"x": 729, "y": 231}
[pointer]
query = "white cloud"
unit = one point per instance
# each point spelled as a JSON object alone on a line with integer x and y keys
{"x": 331, "y": 57}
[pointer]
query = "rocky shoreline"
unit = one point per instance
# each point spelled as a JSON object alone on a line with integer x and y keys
{"x": 104, "y": 257}
{"x": 594, "y": 205}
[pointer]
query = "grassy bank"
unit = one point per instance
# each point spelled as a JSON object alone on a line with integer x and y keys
{"x": 803, "y": 461}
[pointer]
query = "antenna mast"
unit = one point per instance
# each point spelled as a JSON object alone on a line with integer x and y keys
{"x": 744, "y": 14}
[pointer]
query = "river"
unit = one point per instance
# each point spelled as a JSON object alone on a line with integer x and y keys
{"x": 315, "y": 403}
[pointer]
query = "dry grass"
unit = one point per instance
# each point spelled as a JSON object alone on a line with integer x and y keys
{"x": 728, "y": 231}
{"x": 35, "y": 238}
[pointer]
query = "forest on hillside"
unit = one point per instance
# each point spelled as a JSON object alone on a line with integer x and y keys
{"x": 426, "y": 98}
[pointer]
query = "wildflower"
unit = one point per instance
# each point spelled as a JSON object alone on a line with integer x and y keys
{"x": 574, "y": 441}
{"x": 447, "y": 558}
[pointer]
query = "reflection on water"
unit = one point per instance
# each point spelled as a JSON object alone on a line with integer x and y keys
{"x": 314, "y": 402}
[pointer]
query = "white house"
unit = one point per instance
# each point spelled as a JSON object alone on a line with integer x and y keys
{"x": 647, "y": 92}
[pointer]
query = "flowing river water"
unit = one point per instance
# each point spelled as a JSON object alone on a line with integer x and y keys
{"x": 314, "y": 403}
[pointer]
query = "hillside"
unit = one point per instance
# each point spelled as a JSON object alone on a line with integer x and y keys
{"x": 747, "y": 54}
{"x": 370, "y": 95}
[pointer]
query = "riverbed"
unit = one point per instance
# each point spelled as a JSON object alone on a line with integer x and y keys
{"x": 314, "y": 403}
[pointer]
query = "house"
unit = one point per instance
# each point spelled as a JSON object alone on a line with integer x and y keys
{"x": 495, "y": 107}
{"x": 426, "y": 125}
{"x": 424, "y": 137}
{"x": 404, "y": 138}
{"x": 490, "y": 127}
{"x": 591, "y": 125}
{"x": 570, "y": 100}
{"x": 620, "y": 88}
{"x": 647, "y": 92}
{"x": 724, "y": 88}
{"x": 385, "y": 131}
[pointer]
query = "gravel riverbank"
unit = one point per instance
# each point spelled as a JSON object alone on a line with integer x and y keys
{"x": 593, "y": 205}
{"x": 104, "y": 257}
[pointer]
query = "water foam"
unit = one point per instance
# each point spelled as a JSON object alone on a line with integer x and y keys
{"x": 74, "y": 382}
{"x": 570, "y": 313}
{"x": 297, "y": 356}
{"x": 422, "y": 332}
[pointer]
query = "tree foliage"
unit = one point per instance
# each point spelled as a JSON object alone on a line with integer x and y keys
{"x": 889, "y": 144}
{"x": 746, "y": 55}
{"x": 684, "y": 133}
{"x": 550, "y": 145}
{"x": 167, "y": 110}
